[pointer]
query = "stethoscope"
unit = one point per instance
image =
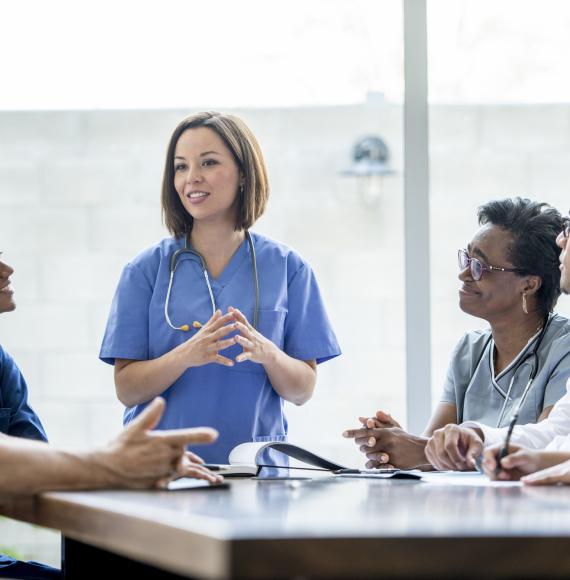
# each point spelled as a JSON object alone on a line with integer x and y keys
{"x": 175, "y": 260}
{"x": 534, "y": 371}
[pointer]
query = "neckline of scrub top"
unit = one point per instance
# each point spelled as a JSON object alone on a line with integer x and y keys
{"x": 231, "y": 267}
{"x": 509, "y": 367}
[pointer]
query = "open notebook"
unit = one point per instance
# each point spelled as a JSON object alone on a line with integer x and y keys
{"x": 246, "y": 460}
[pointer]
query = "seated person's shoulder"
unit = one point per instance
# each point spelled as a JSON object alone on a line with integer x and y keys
{"x": 556, "y": 343}
{"x": 472, "y": 341}
{"x": 559, "y": 327}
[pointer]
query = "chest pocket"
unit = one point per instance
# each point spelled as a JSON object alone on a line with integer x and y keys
{"x": 272, "y": 326}
{"x": 5, "y": 420}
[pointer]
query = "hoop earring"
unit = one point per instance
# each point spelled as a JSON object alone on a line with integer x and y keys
{"x": 524, "y": 307}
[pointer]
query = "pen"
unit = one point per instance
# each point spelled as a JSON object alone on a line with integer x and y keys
{"x": 505, "y": 450}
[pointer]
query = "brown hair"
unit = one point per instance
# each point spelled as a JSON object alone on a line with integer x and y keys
{"x": 238, "y": 138}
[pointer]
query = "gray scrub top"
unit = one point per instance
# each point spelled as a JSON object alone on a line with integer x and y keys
{"x": 479, "y": 395}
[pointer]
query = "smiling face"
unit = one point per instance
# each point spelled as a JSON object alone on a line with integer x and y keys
{"x": 496, "y": 294}
{"x": 206, "y": 176}
{"x": 6, "y": 293}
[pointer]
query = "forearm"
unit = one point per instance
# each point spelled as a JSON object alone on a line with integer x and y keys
{"x": 29, "y": 467}
{"x": 292, "y": 379}
{"x": 141, "y": 381}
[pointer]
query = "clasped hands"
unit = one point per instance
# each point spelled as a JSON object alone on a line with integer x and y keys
{"x": 205, "y": 346}
{"x": 386, "y": 445}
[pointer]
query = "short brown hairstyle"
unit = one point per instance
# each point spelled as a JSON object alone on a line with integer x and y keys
{"x": 252, "y": 197}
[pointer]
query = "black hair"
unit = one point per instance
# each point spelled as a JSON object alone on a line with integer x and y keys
{"x": 534, "y": 227}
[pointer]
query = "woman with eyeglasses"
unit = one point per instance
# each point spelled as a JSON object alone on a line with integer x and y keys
{"x": 536, "y": 453}
{"x": 509, "y": 277}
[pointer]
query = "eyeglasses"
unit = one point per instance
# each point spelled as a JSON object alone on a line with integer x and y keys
{"x": 477, "y": 267}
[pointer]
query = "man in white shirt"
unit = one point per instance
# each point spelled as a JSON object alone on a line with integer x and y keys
{"x": 457, "y": 446}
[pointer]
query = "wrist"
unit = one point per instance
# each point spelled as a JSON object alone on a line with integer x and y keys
{"x": 102, "y": 469}
{"x": 421, "y": 442}
{"x": 273, "y": 354}
{"x": 180, "y": 357}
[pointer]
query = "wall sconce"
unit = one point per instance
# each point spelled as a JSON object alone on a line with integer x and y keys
{"x": 369, "y": 165}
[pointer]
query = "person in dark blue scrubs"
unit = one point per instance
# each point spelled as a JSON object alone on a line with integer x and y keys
{"x": 18, "y": 419}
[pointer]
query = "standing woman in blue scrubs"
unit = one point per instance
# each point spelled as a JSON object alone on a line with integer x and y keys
{"x": 224, "y": 323}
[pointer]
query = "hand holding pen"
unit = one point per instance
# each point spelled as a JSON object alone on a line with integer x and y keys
{"x": 510, "y": 463}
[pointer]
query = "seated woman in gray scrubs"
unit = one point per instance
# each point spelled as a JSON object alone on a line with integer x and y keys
{"x": 510, "y": 277}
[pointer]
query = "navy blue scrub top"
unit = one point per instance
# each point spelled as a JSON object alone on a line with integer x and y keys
{"x": 17, "y": 418}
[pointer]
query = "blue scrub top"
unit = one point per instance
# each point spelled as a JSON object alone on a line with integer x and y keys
{"x": 17, "y": 418}
{"x": 239, "y": 401}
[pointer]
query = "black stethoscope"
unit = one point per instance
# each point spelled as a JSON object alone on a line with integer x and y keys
{"x": 175, "y": 260}
{"x": 523, "y": 360}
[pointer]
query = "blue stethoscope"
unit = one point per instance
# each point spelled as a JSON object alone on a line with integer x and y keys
{"x": 175, "y": 260}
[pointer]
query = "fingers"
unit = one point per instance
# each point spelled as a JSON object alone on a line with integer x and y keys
{"x": 222, "y": 344}
{"x": 241, "y": 340}
{"x": 223, "y": 331}
{"x": 186, "y": 468}
{"x": 149, "y": 418}
{"x": 435, "y": 451}
{"x": 474, "y": 450}
{"x": 245, "y": 330}
{"x": 370, "y": 423}
{"x": 222, "y": 360}
{"x": 556, "y": 474}
{"x": 193, "y": 457}
{"x": 244, "y": 356}
{"x": 238, "y": 315}
{"x": 387, "y": 419}
{"x": 376, "y": 465}
{"x": 213, "y": 318}
{"x": 366, "y": 442}
{"x": 379, "y": 457}
{"x": 517, "y": 459}
{"x": 451, "y": 447}
{"x": 221, "y": 321}
{"x": 489, "y": 463}
{"x": 355, "y": 433}
{"x": 539, "y": 478}
{"x": 183, "y": 437}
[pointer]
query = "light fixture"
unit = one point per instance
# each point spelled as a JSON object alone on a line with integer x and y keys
{"x": 369, "y": 166}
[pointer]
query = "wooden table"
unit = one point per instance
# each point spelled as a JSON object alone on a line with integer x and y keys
{"x": 327, "y": 527}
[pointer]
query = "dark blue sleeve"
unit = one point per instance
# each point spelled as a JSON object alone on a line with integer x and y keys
{"x": 17, "y": 418}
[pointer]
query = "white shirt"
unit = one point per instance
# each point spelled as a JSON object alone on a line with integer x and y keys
{"x": 552, "y": 434}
